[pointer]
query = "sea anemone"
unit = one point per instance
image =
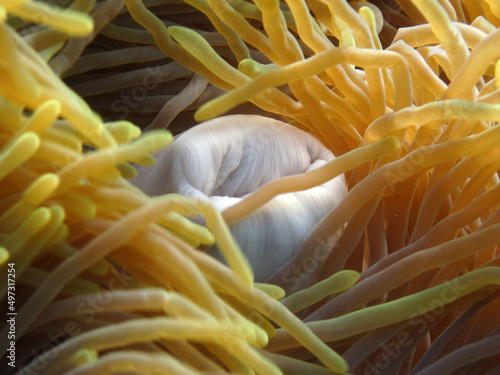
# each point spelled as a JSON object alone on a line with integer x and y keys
{"x": 400, "y": 277}
{"x": 224, "y": 160}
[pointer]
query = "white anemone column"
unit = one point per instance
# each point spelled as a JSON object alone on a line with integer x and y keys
{"x": 225, "y": 159}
